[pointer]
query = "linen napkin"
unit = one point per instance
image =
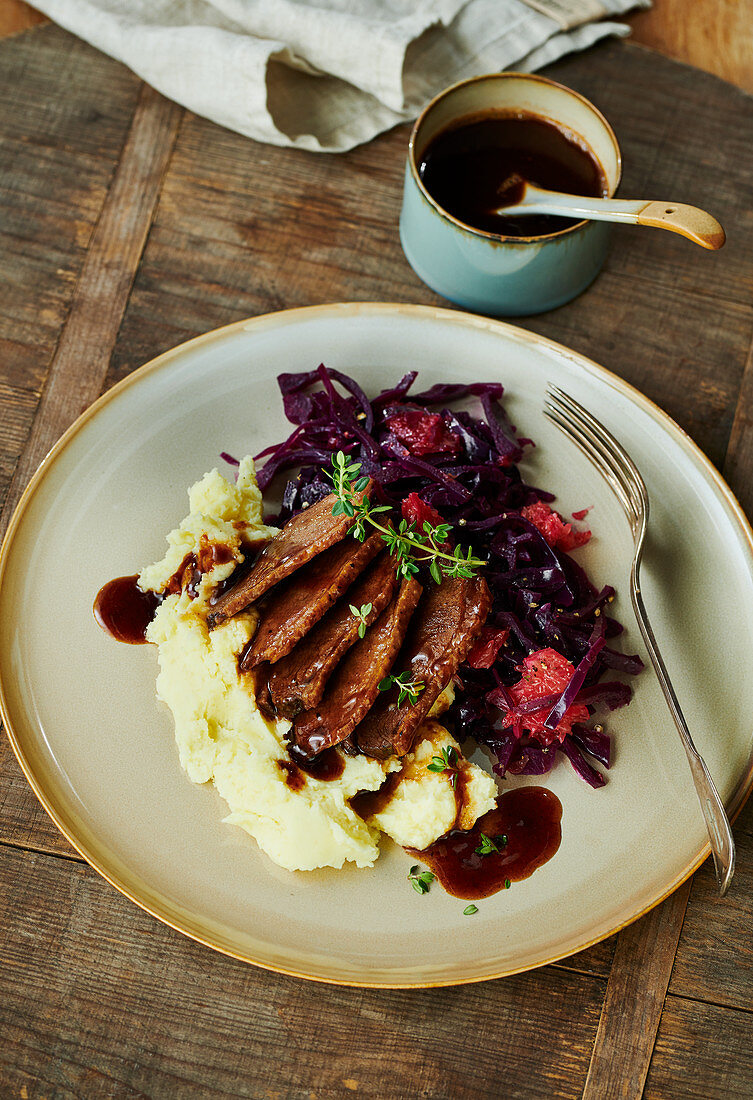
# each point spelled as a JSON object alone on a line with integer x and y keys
{"x": 326, "y": 75}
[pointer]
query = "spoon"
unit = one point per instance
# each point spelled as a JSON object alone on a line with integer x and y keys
{"x": 517, "y": 196}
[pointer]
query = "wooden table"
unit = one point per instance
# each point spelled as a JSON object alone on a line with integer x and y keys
{"x": 129, "y": 225}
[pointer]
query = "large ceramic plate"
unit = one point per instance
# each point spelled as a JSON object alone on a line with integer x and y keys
{"x": 81, "y": 712}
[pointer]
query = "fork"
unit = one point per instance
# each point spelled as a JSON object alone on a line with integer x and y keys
{"x": 620, "y": 472}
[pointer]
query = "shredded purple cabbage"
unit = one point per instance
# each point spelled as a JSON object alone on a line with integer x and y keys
{"x": 540, "y": 594}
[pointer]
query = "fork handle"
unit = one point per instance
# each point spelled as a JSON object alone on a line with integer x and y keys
{"x": 717, "y": 822}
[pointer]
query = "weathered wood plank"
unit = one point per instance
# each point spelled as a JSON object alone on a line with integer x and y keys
{"x": 633, "y": 1003}
{"x": 115, "y": 1004}
{"x": 82, "y": 357}
{"x": 717, "y": 35}
{"x": 738, "y": 464}
{"x": 703, "y": 1052}
{"x": 715, "y": 953}
{"x": 23, "y": 820}
{"x": 57, "y": 156}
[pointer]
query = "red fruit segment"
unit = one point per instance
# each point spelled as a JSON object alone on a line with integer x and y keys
{"x": 560, "y": 535}
{"x": 417, "y": 511}
{"x": 485, "y": 650}
{"x": 545, "y": 673}
{"x": 423, "y": 433}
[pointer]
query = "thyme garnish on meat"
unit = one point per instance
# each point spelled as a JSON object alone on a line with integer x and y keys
{"x": 411, "y": 547}
{"x": 408, "y": 689}
{"x": 361, "y": 613}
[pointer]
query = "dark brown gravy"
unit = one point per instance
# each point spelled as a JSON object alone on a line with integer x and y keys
{"x": 464, "y": 167}
{"x": 326, "y": 766}
{"x": 124, "y": 611}
{"x": 190, "y": 571}
{"x": 529, "y": 817}
{"x": 368, "y": 803}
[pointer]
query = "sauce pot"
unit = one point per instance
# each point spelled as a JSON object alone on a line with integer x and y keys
{"x": 489, "y": 272}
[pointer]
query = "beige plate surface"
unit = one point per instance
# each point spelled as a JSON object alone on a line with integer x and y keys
{"x": 81, "y": 712}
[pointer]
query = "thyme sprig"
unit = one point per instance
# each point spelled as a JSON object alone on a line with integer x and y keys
{"x": 407, "y": 688}
{"x": 420, "y": 880}
{"x": 491, "y": 844}
{"x": 446, "y": 761}
{"x": 361, "y": 613}
{"x": 411, "y": 547}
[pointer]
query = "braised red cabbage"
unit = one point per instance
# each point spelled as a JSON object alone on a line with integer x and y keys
{"x": 541, "y": 596}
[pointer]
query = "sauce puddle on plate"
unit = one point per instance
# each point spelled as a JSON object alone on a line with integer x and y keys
{"x": 524, "y": 829}
{"x": 124, "y": 611}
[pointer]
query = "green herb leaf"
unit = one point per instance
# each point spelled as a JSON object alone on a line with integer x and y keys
{"x": 420, "y": 880}
{"x": 361, "y": 613}
{"x": 412, "y": 548}
{"x": 446, "y": 760}
{"x": 407, "y": 688}
{"x": 487, "y": 846}
{"x": 470, "y": 910}
{"x": 508, "y": 884}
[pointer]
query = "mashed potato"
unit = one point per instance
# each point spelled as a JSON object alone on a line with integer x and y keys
{"x": 222, "y": 736}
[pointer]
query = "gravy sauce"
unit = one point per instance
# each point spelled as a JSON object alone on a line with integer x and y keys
{"x": 524, "y": 825}
{"x": 124, "y": 611}
{"x": 465, "y": 169}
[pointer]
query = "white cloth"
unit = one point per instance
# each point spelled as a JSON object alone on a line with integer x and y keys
{"x": 326, "y": 75}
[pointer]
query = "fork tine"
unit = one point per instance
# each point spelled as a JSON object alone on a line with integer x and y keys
{"x": 596, "y": 440}
{"x": 600, "y": 437}
{"x": 596, "y": 456}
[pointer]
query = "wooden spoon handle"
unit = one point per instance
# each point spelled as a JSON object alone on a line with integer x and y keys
{"x": 691, "y": 222}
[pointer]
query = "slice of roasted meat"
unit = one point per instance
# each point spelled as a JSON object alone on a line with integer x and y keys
{"x": 448, "y": 619}
{"x": 296, "y": 605}
{"x": 298, "y": 681}
{"x": 303, "y": 537}
{"x": 354, "y": 685}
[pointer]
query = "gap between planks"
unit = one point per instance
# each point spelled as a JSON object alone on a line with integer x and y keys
{"x": 81, "y": 359}
{"x": 739, "y": 458}
{"x": 634, "y": 1001}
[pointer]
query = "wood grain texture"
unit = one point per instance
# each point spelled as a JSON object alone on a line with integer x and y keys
{"x": 117, "y": 1005}
{"x": 16, "y": 16}
{"x": 738, "y": 463}
{"x": 633, "y": 1003}
{"x": 715, "y": 35}
{"x": 703, "y": 1052}
{"x": 715, "y": 954}
{"x": 65, "y": 114}
{"x": 80, "y": 363}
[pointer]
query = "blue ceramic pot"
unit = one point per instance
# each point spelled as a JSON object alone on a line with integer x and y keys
{"x": 487, "y": 272}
